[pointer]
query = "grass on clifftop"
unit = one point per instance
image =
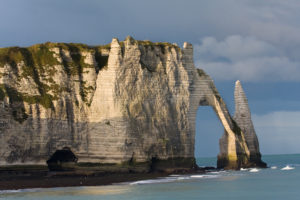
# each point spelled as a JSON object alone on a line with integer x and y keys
{"x": 162, "y": 45}
{"x": 38, "y": 62}
{"x": 41, "y": 56}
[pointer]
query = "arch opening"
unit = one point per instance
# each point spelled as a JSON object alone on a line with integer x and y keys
{"x": 62, "y": 160}
{"x": 209, "y": 130}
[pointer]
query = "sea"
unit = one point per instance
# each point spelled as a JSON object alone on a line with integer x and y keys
{"x": 280, "y": 181}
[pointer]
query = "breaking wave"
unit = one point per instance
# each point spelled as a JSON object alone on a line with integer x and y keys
{"x": 253, "y": 170}
{"x": 287, "y": 168}
{"x": 173, "y": 178}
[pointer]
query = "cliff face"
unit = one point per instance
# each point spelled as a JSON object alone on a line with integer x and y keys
{"x": 127, "y": 102}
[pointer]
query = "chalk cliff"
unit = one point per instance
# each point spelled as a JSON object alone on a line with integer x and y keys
{"x": 125, "y": 103}
{"x": 242, "y": 116}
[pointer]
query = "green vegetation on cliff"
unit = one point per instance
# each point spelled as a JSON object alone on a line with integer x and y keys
{"x": 41, "y": 57}
{"x": 18, "y": 112}
{"x": 162, "y": 45}
{"x": 39, "y": 63}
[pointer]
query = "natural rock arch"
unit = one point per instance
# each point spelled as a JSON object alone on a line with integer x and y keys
{"x": 234, "y": 144}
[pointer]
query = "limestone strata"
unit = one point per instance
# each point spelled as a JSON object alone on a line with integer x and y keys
{"x": 242, "y": 116}
{"x": 124, "y": 103}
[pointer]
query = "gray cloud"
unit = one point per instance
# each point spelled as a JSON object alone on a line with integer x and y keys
{"x": 252, "y": 40}
{"x": 261, "y": 42}
{"x": 93, "y": 21}
{"x": 245, "y": 58}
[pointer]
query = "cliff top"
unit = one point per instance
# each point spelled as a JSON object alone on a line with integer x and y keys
{"x": 42, "y": 54}
{"x": 38, "y": 63}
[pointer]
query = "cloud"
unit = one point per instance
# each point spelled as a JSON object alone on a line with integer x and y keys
{"x": 255, "y": 41}
{"x": 246, "y": 58}
{"x": 93, "y": 21}
{"x": 278, "y": 132}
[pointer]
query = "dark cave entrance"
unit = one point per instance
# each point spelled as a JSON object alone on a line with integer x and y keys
{"x": 208, "y": 130}
{"x": 62, "y": 160}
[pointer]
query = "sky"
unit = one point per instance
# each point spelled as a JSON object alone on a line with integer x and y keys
{"x": 254, "y": 41}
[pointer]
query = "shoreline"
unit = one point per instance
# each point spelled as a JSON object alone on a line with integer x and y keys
{"x": 14, "y": 180}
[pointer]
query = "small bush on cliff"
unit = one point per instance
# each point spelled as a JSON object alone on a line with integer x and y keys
{"x": 15, "y": 96}
{"x": 162, "y": 45}
{"x": 2, "y": 94}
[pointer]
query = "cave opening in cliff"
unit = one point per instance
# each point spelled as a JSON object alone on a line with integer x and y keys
{"x": 209, "y": 130}
{"x": 62, "y": 160}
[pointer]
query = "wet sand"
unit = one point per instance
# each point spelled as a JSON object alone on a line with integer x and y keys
{"x": 43, "y": 178}
{"x": 48, "y": 180}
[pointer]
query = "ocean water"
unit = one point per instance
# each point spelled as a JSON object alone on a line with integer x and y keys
{"x": 280, "y": 181}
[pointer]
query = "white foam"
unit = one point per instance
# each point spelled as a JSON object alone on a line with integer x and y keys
{"x": 21, "y": 190}
{"x": 253, "y": 170}
{"x": 162, "y": 180}
{"x": 183, "y": 178}
{"x": 204, "y": 176}
{"x": 215, "y": 172}
{"x": 274, "y": 167}
{"x": 172, "y": 178}
{"x": 197, "y": 176}
{"x": 152, "y": 181}
{"x": 287, "y": 168}
{"x": 9, "y": 191}
{"x": 243, "y": 169}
